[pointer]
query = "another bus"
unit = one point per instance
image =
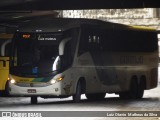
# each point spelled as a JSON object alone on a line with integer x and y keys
{"x": 65, "y": 57}
{"x": 5, "y": 40}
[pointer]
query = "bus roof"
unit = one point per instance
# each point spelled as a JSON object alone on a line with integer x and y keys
{"x": 61, "y": 24}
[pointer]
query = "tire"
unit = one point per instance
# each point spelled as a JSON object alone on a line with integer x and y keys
{"x": 6, "y": 91}
{"x": 140, "y": 91}
{"x": 97, "y": 96}
{"x": 132, "y": 93}
{"x": 77, "y": 95}
{"x": 34, "y": 100}
{"x": 133, "y": 89}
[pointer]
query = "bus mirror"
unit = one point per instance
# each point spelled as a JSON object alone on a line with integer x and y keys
{"x": 62, "y": 45}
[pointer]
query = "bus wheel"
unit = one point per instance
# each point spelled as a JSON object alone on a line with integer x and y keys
{"x": 77, "y": 95}
{"x": 141, "y": 88}
{"x": 34, "y": 100}
{"x": 6, "y": 91}
{"x": 133, "y": 89}
{"x": 97, "y": 96}
{"x": 132, "y": 93}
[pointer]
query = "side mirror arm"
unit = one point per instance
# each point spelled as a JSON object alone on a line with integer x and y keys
{"x": 62, "y": 45}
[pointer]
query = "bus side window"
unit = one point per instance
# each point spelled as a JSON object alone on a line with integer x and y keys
{"x": 94, "y": 43}
{"x": 83, "y": 45}
{"x": 90, "y": 41}
{"x": 5, "y": 48}
{"x": 67, "y": 57}
{"x": 8, "y": 49}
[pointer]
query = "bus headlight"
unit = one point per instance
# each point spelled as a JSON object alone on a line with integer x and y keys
{"x": 54, "y": 80}
{"x": 12, "y": 81}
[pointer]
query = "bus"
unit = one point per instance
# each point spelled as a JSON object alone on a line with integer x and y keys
{"x": 5, "y": 40}
{"x": 62, "y": 57}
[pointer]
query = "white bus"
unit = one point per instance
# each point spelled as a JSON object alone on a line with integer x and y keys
{"x": 64, "y": 57}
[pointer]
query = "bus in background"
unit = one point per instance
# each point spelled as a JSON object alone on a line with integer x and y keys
{"x": 5, "y": 40}
{"x": 68, "y": 57}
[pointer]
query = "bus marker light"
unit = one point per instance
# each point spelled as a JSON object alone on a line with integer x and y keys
{"x": 26, "y": 36}
{"x": 60, "y": 78}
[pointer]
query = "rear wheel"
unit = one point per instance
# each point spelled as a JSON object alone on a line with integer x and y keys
{"x": 132, "y": 93}
{"x": 34, "y": 100}
{"x": 77, "y": 95}
{"x": 96, "y": 96}
{"x": 133, "y": 89}
{"x": 141, "y": 88}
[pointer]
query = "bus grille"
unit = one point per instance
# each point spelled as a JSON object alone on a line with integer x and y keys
{"x": 32, "y": 84}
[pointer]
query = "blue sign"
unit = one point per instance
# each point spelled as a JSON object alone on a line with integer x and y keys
{"x": 35, "y": 70}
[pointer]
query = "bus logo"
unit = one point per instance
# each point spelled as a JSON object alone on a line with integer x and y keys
{"x": 6, "y": 114}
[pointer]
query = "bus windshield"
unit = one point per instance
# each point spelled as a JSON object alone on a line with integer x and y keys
{"x": 36, "y": 54}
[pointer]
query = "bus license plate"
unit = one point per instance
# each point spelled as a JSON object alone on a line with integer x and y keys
{"x": 31, "y": 90}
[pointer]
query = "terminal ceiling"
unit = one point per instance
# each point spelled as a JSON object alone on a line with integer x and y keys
{"x": 10, "y": 5}
{"x": 12, "y": 10}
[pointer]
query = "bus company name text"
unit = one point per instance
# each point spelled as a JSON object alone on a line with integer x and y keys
{"x": 131, "y": 59}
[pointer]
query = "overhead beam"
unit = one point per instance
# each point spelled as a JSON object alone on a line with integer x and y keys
{"x": 78, "y": 4}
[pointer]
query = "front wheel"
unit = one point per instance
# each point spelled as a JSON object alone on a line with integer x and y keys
{"x": 6, "y": 91}
{"x": 77, "y": 95}
{"x": 34, "y": 100}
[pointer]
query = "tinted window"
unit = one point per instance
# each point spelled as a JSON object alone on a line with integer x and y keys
{"x": 118, "y": 40}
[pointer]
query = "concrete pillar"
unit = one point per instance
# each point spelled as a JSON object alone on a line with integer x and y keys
{"x": 156, "y": 12}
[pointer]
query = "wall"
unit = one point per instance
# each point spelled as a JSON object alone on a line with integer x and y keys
{"x": 143, "y": 17}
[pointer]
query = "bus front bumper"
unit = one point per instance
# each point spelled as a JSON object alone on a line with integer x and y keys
{"x": 50, "y": 90}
